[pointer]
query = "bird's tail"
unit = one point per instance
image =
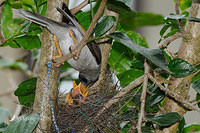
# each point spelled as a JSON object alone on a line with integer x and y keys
{"x": 38, "y": 19}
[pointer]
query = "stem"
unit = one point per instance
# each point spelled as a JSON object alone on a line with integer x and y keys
{"x": 143, "y": 97}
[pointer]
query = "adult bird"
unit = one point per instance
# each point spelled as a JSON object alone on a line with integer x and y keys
{"x": 67, "y": 35}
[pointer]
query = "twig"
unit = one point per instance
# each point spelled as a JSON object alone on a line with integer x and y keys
{"x": 65, "y": 74}
{"x": 116, "y": 98}
{"x": 79, "y": 7}
{"x": 143, "y": 97}
{"x": 122, "y": 93}
{"x": 164, "y": 43}
{"x": 127, "y": 101}
{"x": 9, "y": 92}
{"x": 177, "y": 6}
{"x": 17, "y": 112}
{"x": 75, "y": 52}
{"x": 180, "y": 24}
{"x": 196, "y": 102}
{"x": 170, "y": 52}
{"x": 173, "y": 94}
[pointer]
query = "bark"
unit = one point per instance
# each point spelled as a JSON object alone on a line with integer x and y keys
{"x": 189, "y": 51}
{"x": 48, "y": 49}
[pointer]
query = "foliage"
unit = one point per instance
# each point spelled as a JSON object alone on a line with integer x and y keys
{"x": 25, "y": 123}
{"x": 26, "y": 92}
{"x": 128, "y": 53}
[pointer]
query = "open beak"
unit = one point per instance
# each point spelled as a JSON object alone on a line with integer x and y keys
{"x": 78, "y": 94}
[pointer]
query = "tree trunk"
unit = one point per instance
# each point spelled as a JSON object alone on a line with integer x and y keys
{"x": 48, "y": 49}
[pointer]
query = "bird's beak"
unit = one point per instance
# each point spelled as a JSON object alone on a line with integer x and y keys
{"x": 77, "y": 90}
{"x": 68, "y": 99}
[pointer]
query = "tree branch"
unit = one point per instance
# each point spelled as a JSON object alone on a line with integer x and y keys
{"x": 121, "y": 94}
{"x": 180, "y": 23}
{"x": 48, "y": 49}
{"x": 75, "y": 52}
{"x": 143, "y": 97}
{"x": 79, "y": 7}
{"x": 164, "y": 43}
{"x": 173, "y": 94}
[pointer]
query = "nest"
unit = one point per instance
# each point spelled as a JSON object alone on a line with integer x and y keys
{"x": 78, "y": 118}
{"x": 83, "y": 118}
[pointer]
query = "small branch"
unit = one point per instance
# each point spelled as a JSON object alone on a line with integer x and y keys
{"x": 78, "y": 49}
{"x": 127, "y": 101}
{"x": 122, "y": 93}
{"x": 173, "y": 94}
{"x": 170, "y": 52}
{"x": 65, "y": 74}
{"x": 79, "y": 7}
{"x": 180, "y": 23}
{"x": 177, "y": 6}
{"x": 143, "y": 97}
{"x": 164, "y": 43}
{"x": 116, "y": 98}
{"x": 9, "y": 92}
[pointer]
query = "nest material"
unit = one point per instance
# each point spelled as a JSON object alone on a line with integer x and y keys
{"x": 76, "y": 118}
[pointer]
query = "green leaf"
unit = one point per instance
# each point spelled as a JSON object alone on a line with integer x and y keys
{"x": 174, "y": 16}
{"x": 26, "y": 92}
{"x": 28, "y": 2}
{"x": 23, "y": 124}
{"x": 198, "y": 99}
{"x": 119, "y": 6}
{"x": 181, "y": 68}
{"x": 136, "y": 38}
{"x": 156, "y": 56}
{"x": 181, "y": 125}
{"x": 104, "y": 24}
{"x": 40, "y": 2}
{"x": 84, "y": 19}
{"x": 185, "y": 4}
{"x": 128, "y": 76}
{"x": 164, "y": 29}
{"x": 196, "y": 85}
{"x": 3, "y": 127}
{"x": 191, "y": 128}
{"x": 27, "y": 100}
{"x": 28, "y": 42}
{"x": 16, "y": 4}
{"x": 9, "y": 26}
{"x": 165, "y": 119}
{"x": 4, "y": 114}
{"x": 133, "y": 19}
{"x": 26, "y": 87}
{"x": 127, "y": 2}
{"x": 156, "y": 96}
{"x": 119, "y": 60}
{"x": 42, "y": 7}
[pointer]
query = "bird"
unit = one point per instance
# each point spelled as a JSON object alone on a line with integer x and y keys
{"x": 77, "y": 94}
{"x": 67, "y": 35}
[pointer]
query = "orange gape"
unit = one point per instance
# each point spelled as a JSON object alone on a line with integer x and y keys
{"x": 77, "y": 95}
